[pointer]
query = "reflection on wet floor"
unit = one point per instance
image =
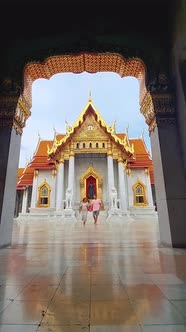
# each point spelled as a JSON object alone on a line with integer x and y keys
{"x": 113, "y": 277}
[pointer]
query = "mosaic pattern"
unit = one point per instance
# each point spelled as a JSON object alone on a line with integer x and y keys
{"x": 88, "y": 62}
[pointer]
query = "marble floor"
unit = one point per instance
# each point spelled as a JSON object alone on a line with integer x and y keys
{"x": 113, "y": 277}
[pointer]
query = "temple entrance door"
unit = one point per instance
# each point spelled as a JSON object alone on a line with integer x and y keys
{"x": 91, "y": 189}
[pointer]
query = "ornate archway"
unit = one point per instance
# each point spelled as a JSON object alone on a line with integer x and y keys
{"x": 93, "y": 63}
{"x": 91, "y": 175}
{"x": 157, "y": 104}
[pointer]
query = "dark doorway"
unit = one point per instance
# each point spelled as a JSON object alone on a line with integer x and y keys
{"x": 91, "y": 187}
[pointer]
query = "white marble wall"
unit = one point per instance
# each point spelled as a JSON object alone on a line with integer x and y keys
{"x": 99, "y": 163}
{"x": 135, "y": 176}
{"x": 25, "y": 198}
{"x": 44, "y": 175}
{"x": 34, "y": 192}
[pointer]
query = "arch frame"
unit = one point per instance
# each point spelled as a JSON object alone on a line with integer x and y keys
{"x": 91, "y": 172}
{"x": 40, "y": 205}
{"x": 144, "y": 191}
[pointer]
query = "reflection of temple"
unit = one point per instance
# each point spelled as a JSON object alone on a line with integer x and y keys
{"x": 91, "y": 158}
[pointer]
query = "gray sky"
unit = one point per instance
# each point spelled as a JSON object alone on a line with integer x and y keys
{"x": 64, "y": 96}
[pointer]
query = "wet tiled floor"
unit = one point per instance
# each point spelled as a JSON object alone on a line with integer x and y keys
{"x": 113, "y": 277}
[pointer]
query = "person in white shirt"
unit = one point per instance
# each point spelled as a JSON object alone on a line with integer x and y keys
{"x": 83, "y": 208}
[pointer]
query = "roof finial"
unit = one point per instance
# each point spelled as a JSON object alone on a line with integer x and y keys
{"x": 142, "y": 135}
{"x": 26, "y": 158}
{"x": 90, "y": 96}
{"x": 54, "y": 129}
{"x": 127, "y": 129}
{"x": 114, "y": 126}
{"x": 67, "y": 125}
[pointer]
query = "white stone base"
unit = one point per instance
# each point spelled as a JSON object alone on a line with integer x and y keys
{"x": 116, "y": 214}
{"x": 68, "y": 213}
{"x": 102, "y": 216}
{"x": 142, "y": 211}
{"x": 38, "y": 213}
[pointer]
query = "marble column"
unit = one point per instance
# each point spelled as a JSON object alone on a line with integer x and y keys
{"x": 110, "y": 168}
{"x": 35, "y": 197}
{"x": 60, "y": 186}
{"x": 71, "y": 173}
{"x": 25, "y": 198}
{"x": 170, "y": 183}
{"x": 122, "y": 186}
{"x": 110, "y": 176}
{"x": 12, "y": 120}
{"x": 148, "y": 188}
{"x": 70, "y": 189}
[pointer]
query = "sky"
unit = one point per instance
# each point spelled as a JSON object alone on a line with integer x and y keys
{"x": 63, "y": 97}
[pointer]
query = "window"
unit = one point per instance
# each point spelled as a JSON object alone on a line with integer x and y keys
{"x": 139, "y": 195}
{"x": 77, "y": 145}
{"x": 97, "y": 145}
{"x": 103, "y": 145}
{"x": 84, "y": 145}
{"x": 44, "y": 195}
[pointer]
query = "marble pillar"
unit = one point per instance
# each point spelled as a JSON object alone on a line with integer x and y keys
{"x": 170, "y": 184}
{"x": 24, "y": 203}
{"x": 122, "y": 186}
{"x": 60, "y": 187}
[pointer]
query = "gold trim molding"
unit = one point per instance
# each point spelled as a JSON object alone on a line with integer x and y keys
{"x": 13, "y": 112}
{"x": 99, "y": 182}
{"x": 158, "y": 109}
{"x": 144, "y": 190}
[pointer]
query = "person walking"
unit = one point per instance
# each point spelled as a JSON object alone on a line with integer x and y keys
{"x": 83, "y": 208}
{"x": 96, "y": 204}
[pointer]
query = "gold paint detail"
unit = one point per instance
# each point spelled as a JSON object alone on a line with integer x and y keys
{"x": 90, "y": 96}
{"x": 91, "y": 135}
{"x": 36, "y": 173}
{"x": 99, "y": 182}
{"x": 120, "y": 159}
{"x": 44, "y": 191}
{"x": 125, "y": 165}
{"x": 147, "y": 171}
{"x": 8, "y": 106}
{"x": 61, "y": 160}
{"x": 147, "y": 109}
{"x": 139, "y": 194}
{"x": 71, "y": 149}
{"x": 54, "y": 172}
{"x": 14, "y": 110}
{"x": 109, "y": 149}
{"x": 128, "y": 171}
{"x": 158, "y": 109}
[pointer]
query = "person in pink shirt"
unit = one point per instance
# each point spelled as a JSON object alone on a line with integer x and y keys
{"x": 96, "y": 204}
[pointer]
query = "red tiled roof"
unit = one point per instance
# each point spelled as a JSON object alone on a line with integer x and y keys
{"x": 26, "y": 178}
{"x": 40, "y": 159}
{"x": 121, "y": 135}
{"x": 19, "y": 173}
{"x": 142, "y": 157}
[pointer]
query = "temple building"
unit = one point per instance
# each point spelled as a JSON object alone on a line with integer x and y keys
{"x": 91, "y": 158}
